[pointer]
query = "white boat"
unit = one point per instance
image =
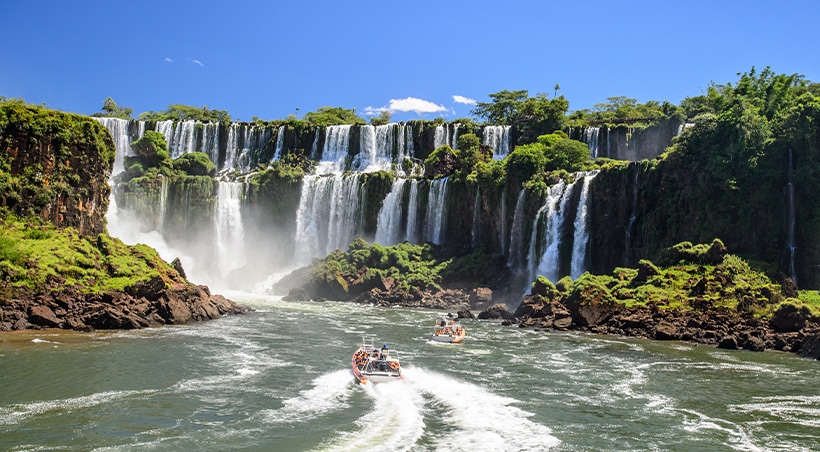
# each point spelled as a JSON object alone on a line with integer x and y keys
{"x": 378, "y": 365}
{"x": 449, "y": 330}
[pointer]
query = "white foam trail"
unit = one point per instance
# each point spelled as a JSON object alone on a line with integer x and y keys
{"x": 482, "y": 420}
{"x": 15, "y": 413}
{"x": 330, "y": 393}
{"x": 395, "y": 421}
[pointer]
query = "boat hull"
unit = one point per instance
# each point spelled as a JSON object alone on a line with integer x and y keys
{"x": 447, "y": 339}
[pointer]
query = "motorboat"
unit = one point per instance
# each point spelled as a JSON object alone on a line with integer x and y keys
{"x": 379, "y": 365}
{"x": 448, "y": 329}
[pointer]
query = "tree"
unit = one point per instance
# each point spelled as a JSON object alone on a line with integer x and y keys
{"x": 110, "y": 109}
{"x": 504, "y": 109}
{"x": 179, "y": 112}
{"x": 328, "y": 116}
{"x": 383, "y": 118}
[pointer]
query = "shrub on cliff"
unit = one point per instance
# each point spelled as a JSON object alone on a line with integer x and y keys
{"x": 195, "y": 164}
{"x": 39, "y": 258}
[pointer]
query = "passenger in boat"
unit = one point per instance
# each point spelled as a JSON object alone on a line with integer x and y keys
{"x": 384, "y": 352}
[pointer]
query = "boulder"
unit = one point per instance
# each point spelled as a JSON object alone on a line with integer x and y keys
{"x": 495, "y": 312}
{"x": 43, "y": 316}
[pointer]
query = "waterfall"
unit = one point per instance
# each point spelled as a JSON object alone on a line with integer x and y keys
{"x": 436, "y": 210}
{"x": 441, "y": 136}
{"x": 388, "y": 228}
{"x": 334, "y": 153}
{"x": 163, "y": 198}
{"x": 122, "y": 140}
{"x": 476, "y": 211}
{"x": 228, "y": 227}
{"x": 591, "y": 139}
{"x": 498, "y": 138}
{"x": 412, "y": 209}
{"x": 551, "y": 217}
{"x": 581, "y": 234}
{"x": 791, "y": 219}
{"x": 280, "y": 143}
{"x": 380, "y": 147}
{"x": 516, "y": 232}
{"x": 329, "y": 215}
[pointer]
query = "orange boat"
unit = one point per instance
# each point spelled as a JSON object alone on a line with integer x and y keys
{"x": 377, "y": 365}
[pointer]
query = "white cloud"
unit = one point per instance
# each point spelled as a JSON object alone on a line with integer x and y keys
{"x": 196, "y": 62}
{"x": 168, "y": 60}
{"x": 463, "y": 100}
{"x": 415, "y": 105}
{"x": 373, "y": 111}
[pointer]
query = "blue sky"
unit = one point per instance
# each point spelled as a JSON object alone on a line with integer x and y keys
{"x": 421, "y": 59}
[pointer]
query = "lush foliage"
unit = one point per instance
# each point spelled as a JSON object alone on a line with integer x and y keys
{"x": 698, "y": 278}
{"x": 110, "y": 109}
{"x": 410, "y": 267}
{"x": 533, "y": 116}
{"x": 195, "y": 164}
{"x": 327, "y": 116}
{"x": 548, "y": 153}
{"x": 36, "y": 255}
{"x": 180, "y": 112}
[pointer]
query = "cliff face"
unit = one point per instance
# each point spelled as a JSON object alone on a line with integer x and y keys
{"x": 55, "y": 165}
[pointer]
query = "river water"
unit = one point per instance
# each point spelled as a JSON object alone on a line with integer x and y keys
{"x": 278, "y": 379}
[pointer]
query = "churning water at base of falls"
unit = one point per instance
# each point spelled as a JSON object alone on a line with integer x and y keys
{"x": 279, "y": 379}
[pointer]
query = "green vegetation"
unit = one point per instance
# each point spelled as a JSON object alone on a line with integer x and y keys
{"x": 180, "y": 112}
{"x": 701, "y": 278}
{"x": 326, "y": 116}
{"x": 35, "y": 257}
{"x": 110, "y": 109}
{"x": 410, "y": 268}
{"x": 534, "y": 116}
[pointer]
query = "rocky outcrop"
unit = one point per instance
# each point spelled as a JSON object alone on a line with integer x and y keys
{"x": 719, "y": 330}
{"x": 136, "y": 307}
{"x": 59, "y": 165}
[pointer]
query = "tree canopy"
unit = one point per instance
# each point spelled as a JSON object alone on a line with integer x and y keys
{"x": 186, "y": 113}
{"x": 110, "y": 109}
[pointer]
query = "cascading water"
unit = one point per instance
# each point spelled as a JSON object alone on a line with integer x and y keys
{"x": 436, "y": 210}
{"x": 280, "y": 143}
{"x": 412, "y": 208}
{"x": 543, "y": 256}
{"x": 389, "y": 227}
{"x": 581, "y": 234}
{"x": 791, "y": 219}
{"x": 380, "y": 147}
{"x": 498, "y": 138}
{"x": 334, "y": 153}
{"x": 591, "y": 139}
{"x": 329, "y": 215}
{"x": 228, "y": 227}
{"x": 122, "y": 140}
{"x": 441, "y": 136}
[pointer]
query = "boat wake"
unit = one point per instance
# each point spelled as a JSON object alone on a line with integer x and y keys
{"x": 401, "y": 414}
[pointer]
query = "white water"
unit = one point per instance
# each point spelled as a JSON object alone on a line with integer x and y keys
{"x": 228, "y": 227}
{"x": 334, "y": 153}
{"x": 591, "y": 139}
{"x": 498, "y": 138}
{"x": 543, "y": 257}
{"x": 436, "y": 210}
{"x": 389, "y": 227}
{"x": 329, "y": 215}
{"x": 476, "y": 212}
{"x": 581, "y": 232}
{"x": 412, "y": 213}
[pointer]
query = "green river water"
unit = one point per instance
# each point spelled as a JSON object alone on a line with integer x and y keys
{"x": 278, "y": 379}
